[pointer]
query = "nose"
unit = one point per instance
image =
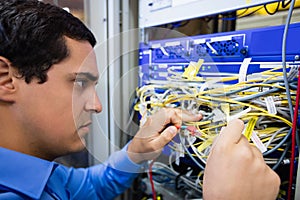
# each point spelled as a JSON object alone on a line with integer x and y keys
{"x": 94, "y": 104}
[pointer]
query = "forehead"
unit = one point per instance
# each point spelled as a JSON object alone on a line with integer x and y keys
{"x": 81, "y": 57}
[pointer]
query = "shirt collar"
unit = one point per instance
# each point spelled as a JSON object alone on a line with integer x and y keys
{"x": 23, "y": 173}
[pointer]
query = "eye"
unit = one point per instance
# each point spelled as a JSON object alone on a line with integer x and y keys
{"x": 82, "y": 83}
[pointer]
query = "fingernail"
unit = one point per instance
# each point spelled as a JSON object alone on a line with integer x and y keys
{"x": 173, "y": 130}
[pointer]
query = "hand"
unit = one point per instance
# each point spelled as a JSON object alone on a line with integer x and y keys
{"x": 235, "y": 170}
{"x": 159, "y": 130}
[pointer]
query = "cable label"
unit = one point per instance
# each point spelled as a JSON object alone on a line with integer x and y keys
{"x": 271, "y": 105}
{"x": 244, "y": 69}
{"x": 258, "y": 143}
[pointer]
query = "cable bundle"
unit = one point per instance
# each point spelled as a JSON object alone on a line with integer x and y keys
{"x": 260, "y": 102}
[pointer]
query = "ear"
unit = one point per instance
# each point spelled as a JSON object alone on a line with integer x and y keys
{"x": 7, "y": 87}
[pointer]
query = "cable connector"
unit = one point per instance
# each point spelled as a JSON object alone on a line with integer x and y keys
{"x": 192, "y": 69}
{"x": 293, "y": 72}
{"x": 286, "y": 162}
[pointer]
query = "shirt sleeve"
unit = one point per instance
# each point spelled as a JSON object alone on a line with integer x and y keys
{"x": 116, "y": 175}
{"x": 106, "y": 181}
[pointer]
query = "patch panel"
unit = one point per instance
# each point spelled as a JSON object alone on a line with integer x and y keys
{"x": 221, "y": 52}
{"x": 261, "y": 45}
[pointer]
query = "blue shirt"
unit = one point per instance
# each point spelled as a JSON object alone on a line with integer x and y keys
{"x": 27, "y": 177}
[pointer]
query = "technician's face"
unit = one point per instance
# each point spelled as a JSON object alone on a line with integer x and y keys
{"x": 58, "y": 112}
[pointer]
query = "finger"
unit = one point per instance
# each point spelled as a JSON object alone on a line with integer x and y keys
{"x": 165, "y": 137}
{"x": 214, "y": 143}
{"x": 177, "y": 116}
{"x": 190, "y": 117}
{"x": 256, "y": 152}
{"x": 224, "y": 133}
{"x": 163, "y": 117}
{"x": 243, "y": 144}
{"x": 232, "y": 133}
{"x": 244, "y": 141}
{"x": 167, "y": 116}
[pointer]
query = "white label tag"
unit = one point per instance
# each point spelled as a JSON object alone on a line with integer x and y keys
{"x": 271, "y": 105}
{"x": 178, "y": 153}
{"x": 239, "y": 115}
{"x": 258, "y": 143}
{"x": 218, "y": 115}
{"x": 244, "y": 69}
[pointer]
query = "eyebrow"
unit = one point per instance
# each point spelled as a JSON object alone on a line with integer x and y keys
{"x": 87, "y": 75}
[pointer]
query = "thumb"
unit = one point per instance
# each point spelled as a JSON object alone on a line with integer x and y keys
{"x": 165, "y": 137}
{"x": 232, "y": 133}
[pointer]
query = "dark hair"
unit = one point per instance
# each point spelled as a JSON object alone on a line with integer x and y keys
{"x": 32, "y": 36}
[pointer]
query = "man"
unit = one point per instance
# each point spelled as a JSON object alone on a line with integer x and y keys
{"x": 48, "y": 74}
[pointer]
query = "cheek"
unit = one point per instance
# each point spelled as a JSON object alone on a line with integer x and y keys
{"x": 52, "y": 114}
{"x": 78, "y": 104}
{"x": 55, "y": 122}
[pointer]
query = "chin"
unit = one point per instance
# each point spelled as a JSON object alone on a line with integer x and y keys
{"x": 81, "y": 145}
{"x": 73, "y": 148}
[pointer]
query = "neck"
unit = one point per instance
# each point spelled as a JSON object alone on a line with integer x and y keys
{"x": 12, "y": 135}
